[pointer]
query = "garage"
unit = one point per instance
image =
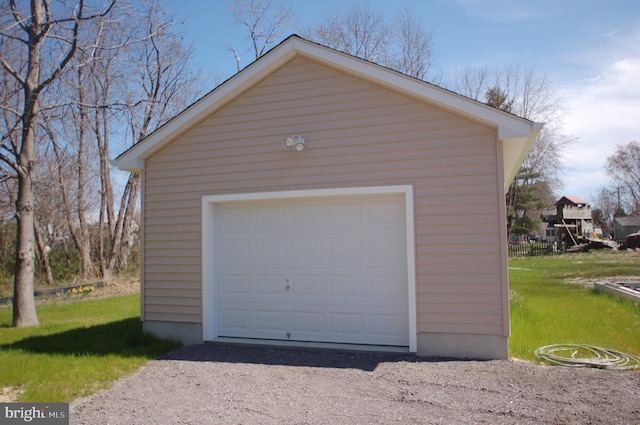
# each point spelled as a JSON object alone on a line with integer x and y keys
{"x": 247, "y": 238}
{"x": 328, "y": 266}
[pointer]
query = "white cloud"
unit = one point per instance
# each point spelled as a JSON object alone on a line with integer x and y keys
{"x": 604, "y": 111}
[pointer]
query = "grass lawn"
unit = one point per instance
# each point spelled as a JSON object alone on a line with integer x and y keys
{"x": 82, "y": 347}
{"x": 78, "y": 349}
{"x": 549, "y": 306}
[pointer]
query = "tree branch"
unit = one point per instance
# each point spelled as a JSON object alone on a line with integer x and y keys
{"x": 11, "y": 71}
{"x": 16, "y": 17}
{"x": 9, "y": 162}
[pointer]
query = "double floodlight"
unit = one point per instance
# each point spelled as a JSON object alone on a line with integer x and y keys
{"x": 297, "y": 143}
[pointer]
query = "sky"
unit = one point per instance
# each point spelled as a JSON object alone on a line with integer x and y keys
{"x": 588, "y": 49}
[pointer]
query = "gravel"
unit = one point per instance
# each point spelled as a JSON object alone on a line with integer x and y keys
{"x": 229, "y": 384}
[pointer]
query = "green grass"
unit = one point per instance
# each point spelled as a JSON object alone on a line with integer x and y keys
{"x": 546, "y": 309}
{"x": 82, "y": 347}
{"x": 78, "y": 349}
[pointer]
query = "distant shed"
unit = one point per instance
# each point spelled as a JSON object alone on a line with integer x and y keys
{"x": 623, "y": 226}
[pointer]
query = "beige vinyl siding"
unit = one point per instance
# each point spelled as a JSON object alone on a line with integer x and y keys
{"x": 358, "y": 134}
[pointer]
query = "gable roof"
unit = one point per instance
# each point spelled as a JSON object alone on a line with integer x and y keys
{"x": 627, "y": 221}
{"x": 517, "y": 134}
{"x": 575, "y": 200}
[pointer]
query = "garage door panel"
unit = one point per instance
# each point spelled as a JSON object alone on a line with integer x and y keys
{"x": 345, "y": 212}
{"x": 347, "y": 324}
{"x": 344, "y": 249}
{"x": 309, "y": 322}
{"x": 233, "y": 218}
{"x": 271, "y": 320}
{"x": 309, "y": 214}
{"x": 235, "y": 284}
{"x": 269, "y": 285}
{"x": 390, "y": 285}
{"x": 235, "y": 318}
{"x": 389, "y": 247}
{"x": 234, "y": 249}
{"x": 345, "y": 286}
{"x": 270, "y": 248}
{"x": 385, "y": 211}
{"x": 386, "y": 324}
{"x": 309, "y": 249}
{"x": 319, "y": 269}
{"x": 311, "y": 285}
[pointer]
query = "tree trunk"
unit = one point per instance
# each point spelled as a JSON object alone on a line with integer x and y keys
{"x": 106, "y": 194}
{"x": 44, "y": 252}
{"x": 127, "y": 227}
{"x": 24, "y": 305}
{"x": 124, "y": 223}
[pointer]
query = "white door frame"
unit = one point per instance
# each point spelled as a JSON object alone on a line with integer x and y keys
{"x": 209, "y": 256}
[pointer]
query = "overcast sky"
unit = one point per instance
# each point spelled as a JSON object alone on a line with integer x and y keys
{"x": 589, "y": 49}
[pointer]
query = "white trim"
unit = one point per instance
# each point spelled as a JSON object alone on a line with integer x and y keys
{"x": 309, "y": 344}
{"x": 142, "y": 236}
{"x": 209, "y": 294}
{"x": 504, "y": 252}
{"x": 209, "y": 217}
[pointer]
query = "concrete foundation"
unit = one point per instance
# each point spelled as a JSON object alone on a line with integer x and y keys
{"x": 463, "y": 346}
{"x": 628, "y": 290}
{"x": 186, "y": 333}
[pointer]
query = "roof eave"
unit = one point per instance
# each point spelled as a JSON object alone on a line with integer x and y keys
{"x": 515, "y": 147}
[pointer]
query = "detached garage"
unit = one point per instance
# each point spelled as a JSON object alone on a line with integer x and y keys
{"x": 317, "y": 199}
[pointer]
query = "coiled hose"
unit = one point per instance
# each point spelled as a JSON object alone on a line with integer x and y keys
{"x": 581, "y": 355}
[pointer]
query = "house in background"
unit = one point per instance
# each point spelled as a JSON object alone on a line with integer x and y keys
{"x": 574, "y": 220}
{"x": 317, "y": 199}
{"x": 548, "y": 221}
{"x": 623, "y": 226}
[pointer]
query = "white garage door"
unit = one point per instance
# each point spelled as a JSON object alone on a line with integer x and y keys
{"x": 326, "y": 269}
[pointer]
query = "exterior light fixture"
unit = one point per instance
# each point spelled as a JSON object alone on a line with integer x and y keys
{"x": 297, "y": 143}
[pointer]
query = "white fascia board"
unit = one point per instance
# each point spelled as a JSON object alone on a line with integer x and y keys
{"x": 133, "y": 159}
{"x": 128, "y": 163}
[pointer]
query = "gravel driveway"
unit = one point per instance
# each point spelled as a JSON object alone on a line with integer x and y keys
{"x": 225, "y": 384}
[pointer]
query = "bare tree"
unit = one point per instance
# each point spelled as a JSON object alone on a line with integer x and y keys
{"x": 414, "y": 44}
{"x": 263, "y": 20}
{"x": 624, "y": 168}
{"x": 402, "y": 43}
{"x": 606, "y": 204}
{"x": 527, "y": 94}
{"x": 162, "y": 83}
{"x": 72, "y": 165}
{"x": 471, "y": 81}
{"x": 44, "y": 39}
{"x": 359, "y": 30}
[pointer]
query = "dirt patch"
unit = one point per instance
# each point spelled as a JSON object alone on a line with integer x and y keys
{"x": 222, "y": 384}
{"x": 588, "y": 283}
{"x": 10, "y": 394}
